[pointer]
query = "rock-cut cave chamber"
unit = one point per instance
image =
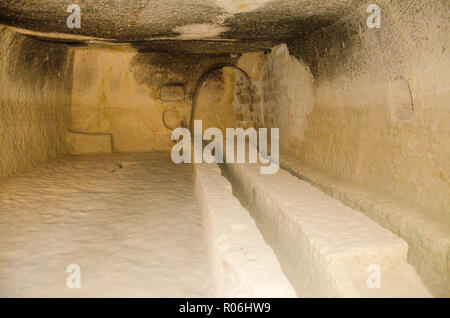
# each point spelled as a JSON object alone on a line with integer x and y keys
{"x": 91, "y": 94}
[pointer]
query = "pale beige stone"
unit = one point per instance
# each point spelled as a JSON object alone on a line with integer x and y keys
{"x": 80, "y": 143}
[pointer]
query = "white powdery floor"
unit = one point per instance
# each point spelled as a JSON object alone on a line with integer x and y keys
{"x": 130, "y": 221}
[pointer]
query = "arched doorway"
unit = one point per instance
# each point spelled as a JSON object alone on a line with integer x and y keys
{"x": 223, "y": 99}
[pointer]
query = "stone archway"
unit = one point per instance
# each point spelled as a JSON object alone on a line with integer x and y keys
{"x": 223, "y": 99}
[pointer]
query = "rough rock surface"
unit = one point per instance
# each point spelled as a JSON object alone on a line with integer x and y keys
{"x": 35, "y": 89}
{"x": 130, "y": 221}
{"x": 238, "y": 25}
{"x": 324, "y": 247}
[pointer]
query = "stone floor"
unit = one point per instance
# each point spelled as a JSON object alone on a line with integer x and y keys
{"x": 130, "y": 221}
